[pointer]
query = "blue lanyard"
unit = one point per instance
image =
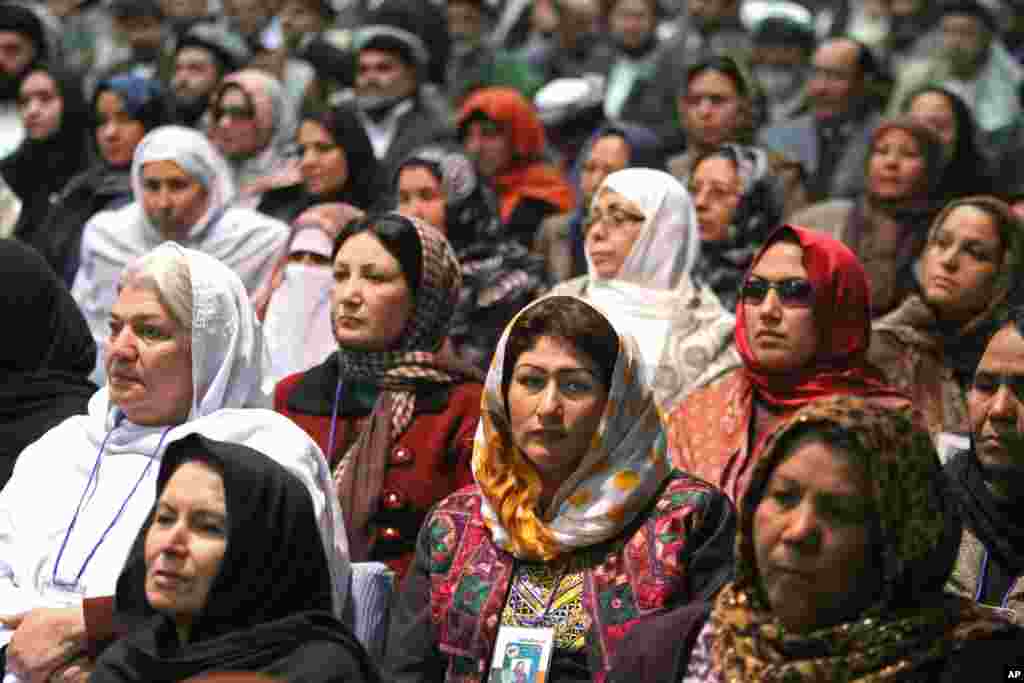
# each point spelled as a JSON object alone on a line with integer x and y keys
{"x": 983, "y": 579}
{"x": 334, "y": 421}
{"x": 81, "y": 501}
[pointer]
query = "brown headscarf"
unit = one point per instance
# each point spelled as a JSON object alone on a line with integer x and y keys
{"x": 417, "y": 360}
{"x": 913, "y": 624}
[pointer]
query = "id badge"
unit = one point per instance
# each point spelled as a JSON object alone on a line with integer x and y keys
{"x": 522, "y": 655}
{"x": 59, "y": 593}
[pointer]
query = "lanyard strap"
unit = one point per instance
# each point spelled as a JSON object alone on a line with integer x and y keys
{"x": 334, "y": 421}
{"x": 539, "y": 621}
{"x": 81, "y": 501}
{"x": 983, "y": 579}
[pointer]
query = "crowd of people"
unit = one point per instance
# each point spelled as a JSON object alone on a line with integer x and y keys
{"x": 512, "y": 340}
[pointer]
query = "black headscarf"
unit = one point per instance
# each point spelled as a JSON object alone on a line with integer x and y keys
{"x": 41, "y": 168}
{"x": 45, "y": 367}
{"x": 364, "y": 187}
{"x": 269, "y": 608}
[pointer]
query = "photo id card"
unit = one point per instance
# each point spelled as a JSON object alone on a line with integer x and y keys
{"x": 522, "y": 655}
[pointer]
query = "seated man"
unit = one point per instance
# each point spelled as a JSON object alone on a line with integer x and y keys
{"x": 986, "y": 479}
{"x": 183, "y": 190}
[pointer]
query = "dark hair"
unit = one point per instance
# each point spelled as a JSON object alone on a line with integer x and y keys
{"x": 398, "y": 235}
{"x": 364, "y": 186}
{"x": 784, "y": 31}
{"x": 568, "y": 318}
{"x": 725, "y": 65}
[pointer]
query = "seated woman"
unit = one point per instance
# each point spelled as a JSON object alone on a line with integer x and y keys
{"x": 738, "y": 204}
{"x": 642, "y": 243}
{"x": 394, "y": 413}
{"x": 802, "y": 329}
{"x": 295, "y": 305}
{"x": 185, "y": 350}
{"x": 969, "y": 274}
{"x": 967, "y": 169}
{"x": 502, "y": 132}
{"x": 887, "y": 225}
{"x": 46, "y": 372}
{"x": 125, "y": 108}
{"x": 239, "y": 528}
{"x": 577, "y": 529}
{"x": 335, "y": 164}
{"x": 612, "y": 148}
{"x": 846, "y": 537}
{"x": 499, "y": 275}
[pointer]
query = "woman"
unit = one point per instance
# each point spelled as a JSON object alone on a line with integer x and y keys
{"x": 125, "y": 109}
{"x": 802, "y": 330}
{"x": 46, "y": 373}
{"x": 612, "y": 148}
{"x": 738, "y": 203}
{"x": 391, "y": 410}
{"x": 847, "y": 536}
{"x": 202, "y": 216}
{"x": 184, "y": 352}
{"x": 969, "y": 278}
{"x": 295, "y": 306}
{"x": 499, "y": 275}
{"x": 641, "y": 245}
{"x": 237, "y": 522}
{"x": 886, "y": 226}
{"x": 501, "y": 130}
{"x": 56, "y": 146}
{"x": 720, "y": 103}
{"x": 577, "y": 523}
{"x": 967, "y": 169}
{"x": 253, "y": 124}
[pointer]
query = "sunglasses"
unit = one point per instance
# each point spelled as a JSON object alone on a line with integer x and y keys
{"x": 989, "y": 383}
{"x": 795, "y": 292}
{"x": 237, "y": 113}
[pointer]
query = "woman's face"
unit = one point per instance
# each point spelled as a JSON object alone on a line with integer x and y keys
{"x": 420, "y": 195}
{"x": 781, "y": 334}
{"x": 489, "y": 146}
{"x": 555, "y": 402}
{"x": 149, "y": 360}
{"x": 607, "y": 155}
{"x": 961, "y": 262}
{"x": 711, "y": 109}
{"x": 322, "y": 161}
{"x": 812, "y": 541}
{"x": 897, "y": 167}
{"x": 716, "y": 190}
{"x": 613, "y": 225}
{"x": 371, "y": 300}
{"x": 934, "y": 110}
{"x": 236, "y": 130}
{"x": 117, "y": 133}
{"x": 40, "y": 105}
{"x": 185, "y": 544}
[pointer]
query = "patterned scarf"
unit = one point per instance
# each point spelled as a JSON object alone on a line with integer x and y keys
{"x": 616, "y": 479}
{"x": 417, "y": 362}
{"x": 913, "y": 624}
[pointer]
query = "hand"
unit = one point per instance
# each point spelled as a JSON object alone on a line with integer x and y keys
{"x": 76, "y": 671}
{"x": 44, "y": 640}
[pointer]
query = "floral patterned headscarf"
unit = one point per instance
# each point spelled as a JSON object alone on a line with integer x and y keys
{"x": 913, "y": 623}
{"x": 616, "y": 479}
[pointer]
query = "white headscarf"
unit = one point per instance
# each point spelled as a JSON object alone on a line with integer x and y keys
{"x": 228, "y": 356}
{"x": 246, "y": 241}
{"x": 667, "y": 246}
{"x": 653, "y": 285}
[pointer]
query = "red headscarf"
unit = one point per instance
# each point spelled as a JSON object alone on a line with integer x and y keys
{"x": 842, "y": 314}
{"x": 527, "y": 176}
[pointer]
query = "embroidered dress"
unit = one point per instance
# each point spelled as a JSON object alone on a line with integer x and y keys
{"x": 545, "y": 596}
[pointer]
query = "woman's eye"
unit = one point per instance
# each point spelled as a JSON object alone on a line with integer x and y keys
{"x": 531, "y": 382}
{"x": 785, "y": 498}
{"x": 576, "y": 388}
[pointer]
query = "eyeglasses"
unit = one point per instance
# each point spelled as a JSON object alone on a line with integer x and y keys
{"x": 616, "y": 217}
{"x": 794, "y": 292}
{"x": 237, "y": 113}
